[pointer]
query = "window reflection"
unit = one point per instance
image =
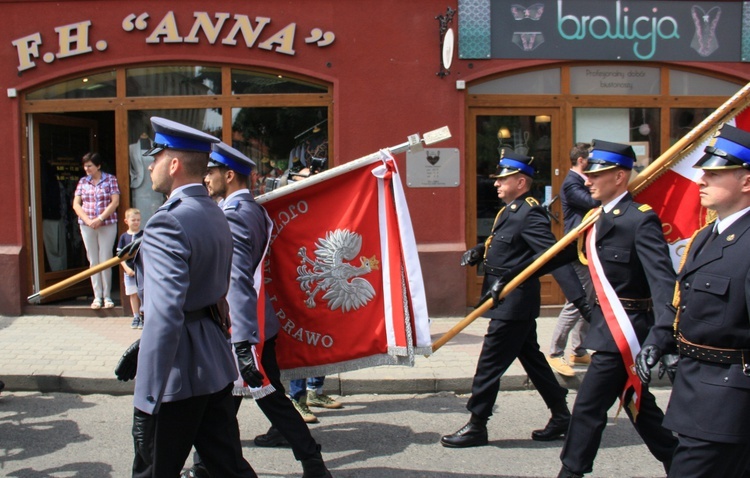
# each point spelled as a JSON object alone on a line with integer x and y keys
{"x": 287, "y": 144}
{"x": 100, "y": 85}
{"x": 252, "y": 82}
{"x": 173, "y": 81}
{"x": 140, "y": 139}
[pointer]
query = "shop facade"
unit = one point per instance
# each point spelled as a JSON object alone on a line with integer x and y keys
{"x": 320, "y": 83}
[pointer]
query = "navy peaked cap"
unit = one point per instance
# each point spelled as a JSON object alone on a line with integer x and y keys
{"x": 607, "y": 155}
{"x": 729, "y": 149}
{"x": 225, "y": 155}
{"x": 512, "y": 163}
{"x": 173, "y": 135}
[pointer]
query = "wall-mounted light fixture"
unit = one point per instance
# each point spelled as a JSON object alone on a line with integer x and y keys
{"x": 503, "y": 133}
{"x": 447, "y": 42}
{"x": 542, "y": 119}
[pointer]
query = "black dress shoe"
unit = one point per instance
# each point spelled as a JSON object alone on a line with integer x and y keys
{"x": 196, "y": 471}
{"x": 471, "y": 434}
{"x": 566, "y": 473}
{"x": 272, "y": 438}
{"x": 556, "y": 428}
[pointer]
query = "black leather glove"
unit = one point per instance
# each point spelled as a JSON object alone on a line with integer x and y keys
{"x": 583, "y": 308}
{"x": 472, "y": 256}
{"x": 246, "y": 359}
{"x": 144, "y": 430}
{"x": 668, "y": 365}
{"x": 128, "y": 364}
{"x": 130, "y": 250}
{"x": 493, "y": 292}
{"x": 645, "y": 360}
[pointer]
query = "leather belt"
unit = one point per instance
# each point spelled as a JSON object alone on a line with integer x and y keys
{"x": 201, "y": 313}
{"x": 495, "y": 271}
{"x": 710, "y": 354}
{"x": 635, "y": 305}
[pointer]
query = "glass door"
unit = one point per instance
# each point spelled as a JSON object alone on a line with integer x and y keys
{"x": 529, "y": 131}
{"x": 58, "y": 143}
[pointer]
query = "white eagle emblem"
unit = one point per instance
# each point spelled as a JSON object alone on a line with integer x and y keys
{"x": 341, "y": 281}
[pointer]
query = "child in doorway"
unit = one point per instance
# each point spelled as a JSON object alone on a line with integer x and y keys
{"x": 133, "y": 221}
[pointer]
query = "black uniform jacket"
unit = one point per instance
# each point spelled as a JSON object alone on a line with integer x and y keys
{"x": 711, "y": 401}
{"x": 635, "y": 259}
{"x": 520, "y": 232}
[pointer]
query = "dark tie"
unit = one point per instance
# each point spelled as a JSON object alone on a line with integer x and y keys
{"x": 710, "y": 239}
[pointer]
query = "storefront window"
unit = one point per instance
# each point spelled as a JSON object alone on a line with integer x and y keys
{"x": 684, "y": 83}
{"x": 286, "y": 143}
{"x": 251, "y": 82}
{"x": 174, "y": 81}
{"x": 639, "y": 127}
{"x": 100, "y": 85}
{"x": 541, "y": 82}
{"x": 140, "y": 137}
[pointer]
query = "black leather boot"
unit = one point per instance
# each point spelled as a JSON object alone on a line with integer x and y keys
{"x": 566, "y": 473}
{"x": 273, "y": 437}
{"x": 473, "y": 433}
{"x": 315, "y": 467}
{"x": 557, "y": 426}
{"x": 196, "y": 471}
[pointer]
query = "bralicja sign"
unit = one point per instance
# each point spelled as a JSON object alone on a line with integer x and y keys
{"x": 606, "y": 30}
{"x": 75, "y": 39}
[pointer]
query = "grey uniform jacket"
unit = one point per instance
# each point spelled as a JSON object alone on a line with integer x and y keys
{"x": 183, "y": 267}
{"x": 247, "y": 221}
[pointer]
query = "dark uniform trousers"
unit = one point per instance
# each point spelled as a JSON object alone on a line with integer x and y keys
{"x": 207, "y": 422}
{"x": 601, "y": 386}
{"x": 281, "y": 412}
{"x": 506, "y": 340}
{"x": 696, "y": 458}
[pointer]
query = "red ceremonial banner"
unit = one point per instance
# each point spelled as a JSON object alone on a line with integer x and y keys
{"x": 338, "y": 276}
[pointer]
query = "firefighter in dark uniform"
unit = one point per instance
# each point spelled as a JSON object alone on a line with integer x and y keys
{"x": 634, "y": 258}
{"x": 709, "y": 407}
{"x": 521, "y": 230}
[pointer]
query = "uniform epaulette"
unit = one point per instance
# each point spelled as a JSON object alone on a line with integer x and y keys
{"x": 644, "y": 208}
{"x": 232, "y": 205}
{"x": 532, "y": 202}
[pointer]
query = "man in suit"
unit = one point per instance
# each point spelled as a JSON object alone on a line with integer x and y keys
{"x": 709, "y": 408}
{"x": 576, "y": 202}
{"x": 631, "y": 271}
{"x": 228, "y": 177}
{"x": 183, "y": 390}
{"x": 521, "y": 230}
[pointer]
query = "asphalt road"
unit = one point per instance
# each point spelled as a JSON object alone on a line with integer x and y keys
{"x": 88, "y": 436}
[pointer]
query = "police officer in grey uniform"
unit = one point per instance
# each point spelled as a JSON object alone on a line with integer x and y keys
{"x": 228, "y": 176}
{"x": 186, "y": 369}
{"x": 709, "y": 407}
{"x": 521, "y": 230}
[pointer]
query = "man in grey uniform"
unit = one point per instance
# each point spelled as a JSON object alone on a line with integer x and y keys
{"x": 227, "y": 177}
{"x": 183, "y": 390}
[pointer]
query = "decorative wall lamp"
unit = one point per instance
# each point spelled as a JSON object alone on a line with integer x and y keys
{"x": 447, "y": 42}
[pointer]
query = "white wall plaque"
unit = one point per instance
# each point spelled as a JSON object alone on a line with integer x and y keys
{"x": 433, "y": 168}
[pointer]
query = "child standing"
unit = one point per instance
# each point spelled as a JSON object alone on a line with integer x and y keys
{"x": 133, "y": 221}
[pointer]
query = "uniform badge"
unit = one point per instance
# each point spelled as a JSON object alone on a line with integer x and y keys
{"x": 513, "y": 207}
{"x": 730, "y": 237}
{"x": 616, "y": 212}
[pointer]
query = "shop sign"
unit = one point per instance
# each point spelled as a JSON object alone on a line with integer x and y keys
{"x": 433, "y": 168}
{"x": 225, "y": 29}
{"x": 614, "y": 80}
{"x": 633, "y": 30}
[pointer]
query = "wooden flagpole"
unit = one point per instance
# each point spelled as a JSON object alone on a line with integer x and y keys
{"x": 520, "y": 278}
{"x": 64, "y": 284}
{"x": 697, "y": 135}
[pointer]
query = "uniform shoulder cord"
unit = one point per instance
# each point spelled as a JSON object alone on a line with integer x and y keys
{"x": 492, "y": 233}
{"x": 582, "y": 239}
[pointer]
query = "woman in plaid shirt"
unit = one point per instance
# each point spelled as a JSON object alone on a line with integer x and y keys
{"x": 96, "y": 199}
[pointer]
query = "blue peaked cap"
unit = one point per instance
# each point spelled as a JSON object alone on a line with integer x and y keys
{"x": 173, "y": 135}
{"x": 512, "y": 163}
{"x": 606, "y": 155}
{"x": 225, "y": 155}
{"x": 730, "y": 150}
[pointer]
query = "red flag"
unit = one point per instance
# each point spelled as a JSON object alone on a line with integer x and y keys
{"x": 343, "y": 273}
{"x": 674, "y": 196}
